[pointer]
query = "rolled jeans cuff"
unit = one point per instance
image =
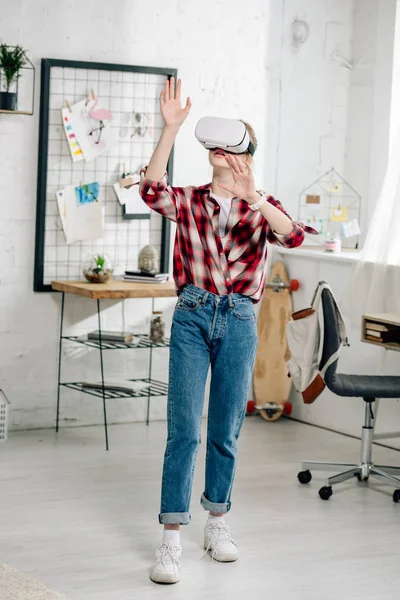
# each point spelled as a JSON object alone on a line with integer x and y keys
{"x": 215, "y": 507}
{"x": 174, "y": 518}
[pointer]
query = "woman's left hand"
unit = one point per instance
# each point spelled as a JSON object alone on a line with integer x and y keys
{"x": 243, "y": 183}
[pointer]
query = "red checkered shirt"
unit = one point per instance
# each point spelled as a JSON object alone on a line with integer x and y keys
{"x": 232, "y": 264}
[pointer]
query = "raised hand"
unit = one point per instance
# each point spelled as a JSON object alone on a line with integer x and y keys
{"x": 170, "y": 104}
{"x": 243, "y": 186}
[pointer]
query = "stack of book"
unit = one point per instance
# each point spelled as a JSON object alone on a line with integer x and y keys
{"x": 114, "y": 336}
{"x": 122, "y": 385}
{"x": 377, "y": 332}
{"x": 141, "y": 277}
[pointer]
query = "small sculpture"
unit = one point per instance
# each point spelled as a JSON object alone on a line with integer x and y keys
{"x": 148, "y": 259}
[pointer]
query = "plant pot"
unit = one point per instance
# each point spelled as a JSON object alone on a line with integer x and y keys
{"x": 8, "y": 100}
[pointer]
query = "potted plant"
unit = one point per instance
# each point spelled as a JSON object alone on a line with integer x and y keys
{"x": 97, "y": 268}
{"x": 12, "y": 59}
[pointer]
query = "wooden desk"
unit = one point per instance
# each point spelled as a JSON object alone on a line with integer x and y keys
{"x": 118, "y": 290}
{"x": 387, "y": 319}
{"x": 115, "y": 289}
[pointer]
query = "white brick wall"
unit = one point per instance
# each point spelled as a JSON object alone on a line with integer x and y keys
{"x": 219, "y": 48}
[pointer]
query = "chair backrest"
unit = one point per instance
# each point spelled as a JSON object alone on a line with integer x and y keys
{"x": 331, "y": 335}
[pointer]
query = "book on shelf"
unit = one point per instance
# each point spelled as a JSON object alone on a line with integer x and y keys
{"x": 138, "y": 279}
{"x": 376, "y": 326}
{"x": 384, "y": 337}
{"x": 112, "y": 336}
{"x": 147, "y": 275}
{"x": 123, "y": 385}
{"x": 373, "y": 333}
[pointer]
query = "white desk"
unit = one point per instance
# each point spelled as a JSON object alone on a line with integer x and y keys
{"x": 393, "y": 321}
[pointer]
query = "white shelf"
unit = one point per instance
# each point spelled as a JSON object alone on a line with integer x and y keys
{"x": 320, "y": 254}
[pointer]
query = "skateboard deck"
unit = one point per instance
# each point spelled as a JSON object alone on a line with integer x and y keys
{"x": 271, "y": 381}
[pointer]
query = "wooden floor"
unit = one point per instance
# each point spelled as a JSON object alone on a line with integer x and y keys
{"x": 84, "y": 521}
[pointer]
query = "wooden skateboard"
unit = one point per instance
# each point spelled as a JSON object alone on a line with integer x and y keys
{"x": 271, "y": 381}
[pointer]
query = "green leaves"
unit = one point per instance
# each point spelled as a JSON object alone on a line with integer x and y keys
{"x": 12, "y": 59}
{"x": 100, "y": 262}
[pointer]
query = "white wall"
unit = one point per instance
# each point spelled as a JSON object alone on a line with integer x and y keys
{"x": 307, "y": 95}
{"x": 223, "y": 78}
{"x": 321, "y": 113}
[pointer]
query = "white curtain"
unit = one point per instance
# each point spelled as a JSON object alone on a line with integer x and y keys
{"x": 375, "y": 287}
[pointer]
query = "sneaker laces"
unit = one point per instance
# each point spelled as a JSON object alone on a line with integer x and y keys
{"x": 217, "y": 532}
{"x": 167, "y": 554}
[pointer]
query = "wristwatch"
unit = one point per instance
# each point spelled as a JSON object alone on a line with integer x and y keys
{"x": 259, "y": 202}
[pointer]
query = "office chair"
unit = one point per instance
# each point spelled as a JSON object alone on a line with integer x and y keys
{"x": 369, "y": 388}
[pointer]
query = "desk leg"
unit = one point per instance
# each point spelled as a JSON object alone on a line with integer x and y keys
{"x": 59, "y": 361}
{"x": 150, "y": 368}
{"x": 102, "y": 374}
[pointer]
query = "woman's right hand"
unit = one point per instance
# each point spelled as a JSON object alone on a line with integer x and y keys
{"x": 170, "y": 104}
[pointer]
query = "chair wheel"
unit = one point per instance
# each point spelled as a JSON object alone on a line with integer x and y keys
{"x": 396, "y": 496}
{"x": 304, "y": 476}
{"x": 361, "y": 478}
{"x": 325, "y": 492}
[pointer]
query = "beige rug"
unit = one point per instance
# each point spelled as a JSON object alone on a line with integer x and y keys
{"x": 17, "y": 586}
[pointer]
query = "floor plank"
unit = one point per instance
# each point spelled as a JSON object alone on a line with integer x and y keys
{"x": 84, "y": 521}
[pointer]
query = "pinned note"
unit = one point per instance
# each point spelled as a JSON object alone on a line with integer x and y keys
{"x": 80, "y": 222}
{"x": 339, "y": 214}
{"x": 74, "y": 147}
{"x": 313, "y": 199}
{"x": 350, "y": 228}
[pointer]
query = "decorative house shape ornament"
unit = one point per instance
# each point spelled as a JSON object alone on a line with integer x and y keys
{"x": 328, "y": 205}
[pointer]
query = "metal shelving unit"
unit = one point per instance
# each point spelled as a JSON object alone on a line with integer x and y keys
{"x": 145, "y": 342}
{"x": 156, "y": 388}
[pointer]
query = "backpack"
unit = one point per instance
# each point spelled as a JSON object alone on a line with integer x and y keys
{"x": 305, "y": 337}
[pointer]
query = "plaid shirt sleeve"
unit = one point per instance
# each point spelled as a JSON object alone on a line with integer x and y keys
{"x": 159, "y": 196}
{"x": 292, "y": 239}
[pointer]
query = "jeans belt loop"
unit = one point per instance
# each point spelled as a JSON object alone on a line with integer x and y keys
{"x": 231, "y": 302}
{"x": 204, "y": 297}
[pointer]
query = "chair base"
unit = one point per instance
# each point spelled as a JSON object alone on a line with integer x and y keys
{"x": 363, "y": 470}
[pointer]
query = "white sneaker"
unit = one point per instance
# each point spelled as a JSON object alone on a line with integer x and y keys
{"x": 166, "y": 568}
{"x": 218, "y": 539}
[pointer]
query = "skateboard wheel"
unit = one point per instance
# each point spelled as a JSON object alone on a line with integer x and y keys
{"x": 304, "y": 476}
{"x": 325, "y": 492}
{"x": 287, "y": 408}
{"x": 251, "y": 407}
{"x": 396, "y": 496}
{"x": 294, "y": 285}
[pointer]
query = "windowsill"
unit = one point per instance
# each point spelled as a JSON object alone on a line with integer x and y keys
{"x": 320, "y": 254}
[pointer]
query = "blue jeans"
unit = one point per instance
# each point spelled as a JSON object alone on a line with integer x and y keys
{"x": 206, "y": 330}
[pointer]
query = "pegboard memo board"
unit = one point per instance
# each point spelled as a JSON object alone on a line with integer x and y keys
{"x": 131, "y": 94}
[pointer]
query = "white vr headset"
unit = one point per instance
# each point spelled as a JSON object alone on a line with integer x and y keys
{"x": 230, "y": 135}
